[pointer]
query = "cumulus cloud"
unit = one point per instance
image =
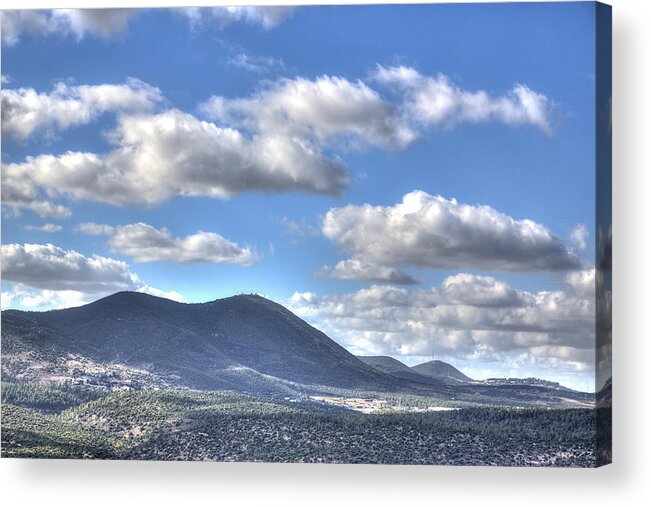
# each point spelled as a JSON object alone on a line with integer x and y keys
{"x": 482, "y": 292}
{"x": 267, "y": 17}
{"x": 47, "y": 276}
{"x": 463, "y": 301}
{"x": 171, "y": 154}
{"x": 104, "y": 23}
{"x": 582, "y": 282}
{"x": 16, "y": 23}
{"x": 53, "y": 268}
{"x": 326, "y": 110}
{"x": 563, "y": 356}
{"x": 49, "y": 228}
{"x": 271, "y": 141}
{"x": 334, "y": 110}
{"x": 35, "y": 299}
{"x": 468, "y": 317}
{"x": 78, "y": 23}
{"x": 437, "y": 101}
{"x": 354, "y": 269}
{"x": 26, "y": 111}
{"x": 19, "y": 193}
{"x": 433, "y": 232}
{"x": 147, "y": 244}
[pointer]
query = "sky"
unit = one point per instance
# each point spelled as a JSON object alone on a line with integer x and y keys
{"x": 415, "y": 181}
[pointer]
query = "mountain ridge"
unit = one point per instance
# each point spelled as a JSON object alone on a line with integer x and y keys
{"x": 441, "y": 370}
{"x": 244, "y": 343}
{"x": 433, "y": 369}
{"x": 193, "y": 339}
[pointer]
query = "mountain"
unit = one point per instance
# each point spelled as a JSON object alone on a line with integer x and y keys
{"x": 386, "y": 364}
{"x": 245, "y": 343}
{"x": 395, "y": 368}
{"x": 148, "y": 340}
{"x": 441, "y": 370}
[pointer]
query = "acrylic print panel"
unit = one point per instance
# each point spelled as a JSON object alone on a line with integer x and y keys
{"x": 338, "y": 234}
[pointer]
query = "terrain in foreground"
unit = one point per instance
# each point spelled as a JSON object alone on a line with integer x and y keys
{"x": 223, "y": 426}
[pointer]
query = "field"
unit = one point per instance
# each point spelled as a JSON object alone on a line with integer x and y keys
{"x": 42, "y": 422}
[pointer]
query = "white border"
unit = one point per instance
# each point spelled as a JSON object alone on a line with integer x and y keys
{"x": 626, "y": 482}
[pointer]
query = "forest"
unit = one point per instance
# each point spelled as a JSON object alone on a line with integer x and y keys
{"x": 69, "y": 422}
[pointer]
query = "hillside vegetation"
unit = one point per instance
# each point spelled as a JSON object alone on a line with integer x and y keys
{"x": 223, "y": 426}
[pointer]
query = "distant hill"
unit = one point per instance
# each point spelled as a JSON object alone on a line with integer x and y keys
{"x": 441, "y": 370}
{"x": 395, "y": 368}
{"x": 207, "y": 346}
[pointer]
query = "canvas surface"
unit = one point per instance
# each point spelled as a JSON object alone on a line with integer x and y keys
{"x": 338, "y": 234}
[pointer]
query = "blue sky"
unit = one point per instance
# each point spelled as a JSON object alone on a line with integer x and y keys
{"x": 379, "y": 101}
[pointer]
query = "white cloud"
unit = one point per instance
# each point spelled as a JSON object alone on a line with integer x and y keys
{"x": 354, "y": 269}
{"x": 284, "y": 127}
{"x": 49, "y": 228}
{"x": 437, "y": 101}
{"x": 19, "y": 192}
{"x": 94, "y": 229}
{"x": 582, "y": 282}
{"x": 147, "y": 244}
{"x": 104, "y": 23}
{"x": 468, "y": 317}
{"x": 174, "y": 154}
{"x": 35, "y": 299}
{"x": 578, "y": 359}
{"x": 482, "y": 292}
{"x": 332, "y": 110}
{"x": 267, "y": 17}
{"x": 326, "y": 110}
{"x": 579, "y": 236}
{"x": 463, "y": 301}
{"x": 17, "y": 22}
{"x": 47, "y": 276}
{"x": 26, "y": 111}
{"x": 152, "y": 291}
{"x": 53, "y": 268}
{"x": 258, "y": 64}
{"x": 433, "y": 232}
